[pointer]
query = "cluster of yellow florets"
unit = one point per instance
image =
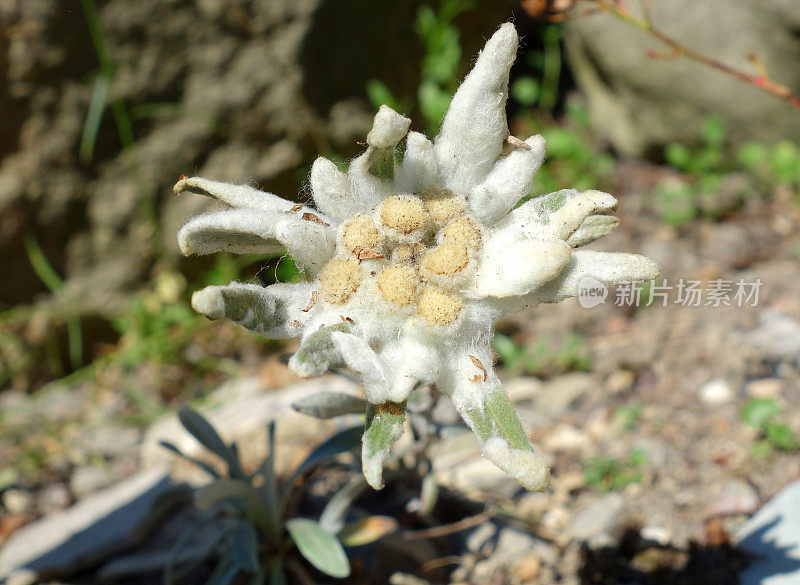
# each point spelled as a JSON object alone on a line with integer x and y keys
{"x": 421, "y": 251}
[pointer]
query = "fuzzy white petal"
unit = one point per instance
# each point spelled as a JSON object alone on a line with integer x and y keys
{"x": 571, "y": 215}
{"x": 331, "y": 190}
{"x": 411, "y": 364}
{"x": 359, "y": 357}
{"x": 510, "y": 180}
{"x": 234, "y": 195}
{"x": 309, "y": 243}
{"x": 419, "y": 164}
{"x": 512, "y": 267}
{"x": 593, "y": 228}
{"x": 388, "y": 128}
{"x": 474, "y": 128}
{"x": 239, "y": 231}
{"x": 483, "y": 404}
{"x": 275, "y": 311}
{"x": 610, "y": 268}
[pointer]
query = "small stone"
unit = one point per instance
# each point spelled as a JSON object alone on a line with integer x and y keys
{"x": 511, "y": 543}
{"x": 479, "y": 540}
{"x": 777, "y": 337}
{"x": 599, "y": 518}
{"x": 764, "y": 388}
{"x": 88, "y": 479}
{"x": 527, "y": 567}
{"x": 620, "y": 381}
{"x": 736, "y": 497}
{"x": 565, "y": 438}
{"x": 716, "y": 392}
{"x": 54, "y": 498}
{"x": 656, "y": 534}
{"x": 111, "y": 441}
{"x": 523, "y": 388}
{"x": 17, "y": 501}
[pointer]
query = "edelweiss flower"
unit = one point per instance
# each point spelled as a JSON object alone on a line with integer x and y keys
{"x": 411, "y": 263}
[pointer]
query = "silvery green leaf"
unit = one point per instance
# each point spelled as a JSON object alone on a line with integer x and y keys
{"x": 384, "y": 427}
{"x": 335, "y": 511}
{"x": 243, "y": 546}
{"x": 319, "y": 547}
{"x": 201, "y": 464}
{"x": 326, "y": 405}
{"x": 202, "y": 430}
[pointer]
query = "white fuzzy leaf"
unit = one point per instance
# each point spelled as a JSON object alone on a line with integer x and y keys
{"x": 510, "y": 180}
{"x": 275, "y": 311}
{"x": 240, "y": 231}
{"x": 234, "y": 195}
{"x": 359, "y": 357}
{"x": 331, "y": 190}
{"x": 388, "y": 128}
{"x": 512, "y": 266}
{"x": 609, "y": 268}
{"x": 474, "y": 127}
{"x": 419, "y": 164}
{"x": 309, "y": 243}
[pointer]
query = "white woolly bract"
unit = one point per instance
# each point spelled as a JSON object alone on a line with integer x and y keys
{"x": 331, "y": 190}
{"x": 413, "y": 299}
{"x": 527, "y": 467}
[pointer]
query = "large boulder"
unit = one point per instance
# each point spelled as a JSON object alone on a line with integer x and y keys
{"x": 640, "y": 103}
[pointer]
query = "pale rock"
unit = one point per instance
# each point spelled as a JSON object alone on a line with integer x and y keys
{"x": 599, "y": 517}
{"x": 716, "y": 392}
{"x": 764, "y": 388}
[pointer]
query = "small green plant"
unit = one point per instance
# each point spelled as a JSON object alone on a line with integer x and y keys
{"x": 629, "y": 415}
{"x": 255, "y": 534}
{"x": 572, "y": 157}
{"x": 538, "y": 358}
{"x": 609, "y": 473}
{"x": 764, "y": 414}
{"x": 540, "y": 86}
{"x": 778, "y": 166}
{"x": 438, "y": 81}
{"x": 707, "y": 168}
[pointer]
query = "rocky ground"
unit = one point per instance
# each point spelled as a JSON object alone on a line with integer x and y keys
{"x": 654, "y": 470}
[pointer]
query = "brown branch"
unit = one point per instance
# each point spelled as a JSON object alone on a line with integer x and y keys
{"x": 555, "y": 11}
{"x": 617, "y": 9}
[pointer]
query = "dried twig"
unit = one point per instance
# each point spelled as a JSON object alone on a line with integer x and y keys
{"x": 555, "y": 11}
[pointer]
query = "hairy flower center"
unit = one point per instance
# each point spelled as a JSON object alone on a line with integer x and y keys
{"x": 407, "y": 241}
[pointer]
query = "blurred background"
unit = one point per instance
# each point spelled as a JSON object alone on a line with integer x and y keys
{"x": 104, "y": 104}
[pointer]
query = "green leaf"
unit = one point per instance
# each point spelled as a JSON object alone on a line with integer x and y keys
{"x": 335, "y": 511}
{"x": 225, "y": 489}
{"x": 782, "y": 437}
{"x": 526, "y": 91}
{"x": 678, "y": 155}
{"x": 201, "y": 429}
{"x": 713, "y": 131}
{"x": 752, "y": 155}
{"x": 201, "y": 464}
{"x": 759, "y": 411}
{"x": 243, "y": 547}
{"x": 785, "y": 160}
{"x": 320, "y": 548}
{"x": 384, "y": 426}
{"x": 367, "y": 530}
{"x": 329, "y": 405}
